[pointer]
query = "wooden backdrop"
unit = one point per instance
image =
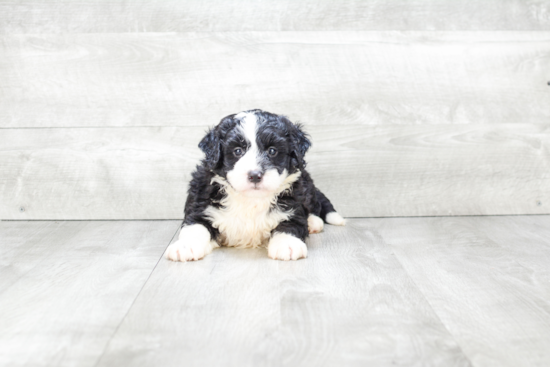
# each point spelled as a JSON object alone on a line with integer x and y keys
{"x": 415, "y": 108}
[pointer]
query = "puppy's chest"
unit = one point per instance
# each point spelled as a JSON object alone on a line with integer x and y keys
{"x": 245, "y": 222}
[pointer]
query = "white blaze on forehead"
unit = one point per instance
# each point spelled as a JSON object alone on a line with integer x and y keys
{"x": 238, "y": 176}
{"x": 249, "y": 126}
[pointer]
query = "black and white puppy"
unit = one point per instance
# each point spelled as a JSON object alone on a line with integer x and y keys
{"x": 252, "y": 190}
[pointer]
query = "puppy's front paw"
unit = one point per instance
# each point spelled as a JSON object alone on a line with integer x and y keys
{"x": 193, "y": 244}
{"x": 283, "y": 246}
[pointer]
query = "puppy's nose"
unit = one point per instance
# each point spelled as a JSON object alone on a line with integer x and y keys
{"x": 254, "y": 176}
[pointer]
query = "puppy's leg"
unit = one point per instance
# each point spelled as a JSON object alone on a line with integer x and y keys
{"x": 328, "y": 213}
{"x": 194, "y": 243}
{"x": 314, "y": 224}
{"x": 335, "y": 219}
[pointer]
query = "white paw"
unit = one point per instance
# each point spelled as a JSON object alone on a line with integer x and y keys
{"x": 194, "y": 243}
{"x": 314, "y": 224}
{"x": 335, "y": 219}
{"x": 283, "y": 246}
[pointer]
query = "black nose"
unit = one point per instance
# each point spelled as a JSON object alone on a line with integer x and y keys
{"x": 254, "y": 176}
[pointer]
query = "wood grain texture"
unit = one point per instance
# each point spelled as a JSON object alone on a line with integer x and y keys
{"x": 124, "y": 173}
{"x": 142, "y": 173}
{"x": 72, "y": 283}
{"x": 29, "y": 241}
{"x": 320, "y": 78}
{"x": 389, "y": 291}
{"x": 32, "y": 16}
{"x": 487, "y": 278}
{"x": 434, "y": 170}
{"x": 349, "y": 303}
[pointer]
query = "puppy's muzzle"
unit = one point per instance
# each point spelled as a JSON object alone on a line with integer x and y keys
{"x": 255, "y": 176}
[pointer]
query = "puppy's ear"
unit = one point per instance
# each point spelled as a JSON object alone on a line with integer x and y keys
{"x": 211, "y": 146}
{"x": 301, "y": 139}
{"x": 301, "y": 144}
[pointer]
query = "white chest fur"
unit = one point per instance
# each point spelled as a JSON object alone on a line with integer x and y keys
{"x": 247, "y": 221}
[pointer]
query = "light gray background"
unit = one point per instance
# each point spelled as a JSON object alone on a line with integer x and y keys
{"x": 415, "y": 107}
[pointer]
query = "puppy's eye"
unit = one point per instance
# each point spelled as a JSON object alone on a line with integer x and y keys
{"x": 272, "y": 152}
{"x": 238, "y": 152}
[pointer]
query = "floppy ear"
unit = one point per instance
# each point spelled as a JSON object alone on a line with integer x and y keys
{"x": 301, "y": 144}
{"x": 211, "y": 146}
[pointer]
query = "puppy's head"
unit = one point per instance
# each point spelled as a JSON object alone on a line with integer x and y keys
{"x": 255, "y": 151}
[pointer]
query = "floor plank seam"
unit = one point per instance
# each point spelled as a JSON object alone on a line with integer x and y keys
{"x": 453, "y": 216}
{"x": 91, "y": 220}
{"x": 349, "y": 217}
{"x": 436, "y": 314}
{"x": 135, "y": 298}
{"x": 425, "y": 298}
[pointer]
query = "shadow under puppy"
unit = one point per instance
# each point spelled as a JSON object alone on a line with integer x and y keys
{"x": 252, "y": 190}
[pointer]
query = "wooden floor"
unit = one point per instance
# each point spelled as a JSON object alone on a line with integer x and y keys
{"x": 441, "y": 291}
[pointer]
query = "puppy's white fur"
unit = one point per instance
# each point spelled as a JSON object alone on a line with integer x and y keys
{"x": 335, "y": 219}
{"x": 284, "y": 246}
{"x": 193, "y": 244}
{"x": 245, "y": 221}
{"x": 314, "y": 224}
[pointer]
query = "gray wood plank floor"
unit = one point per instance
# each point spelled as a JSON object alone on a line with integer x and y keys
{"x": 447, "y": 291}
{"x": 487, "y": 278}
{"x": 66, "y": 286}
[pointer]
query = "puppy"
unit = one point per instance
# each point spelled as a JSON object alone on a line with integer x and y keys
{"x": 252, "y": 189}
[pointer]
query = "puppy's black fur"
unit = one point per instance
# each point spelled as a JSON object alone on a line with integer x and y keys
{"x": 291, "y": 142}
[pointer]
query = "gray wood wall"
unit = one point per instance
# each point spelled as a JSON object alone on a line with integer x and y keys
{"x": 424, "y": 107}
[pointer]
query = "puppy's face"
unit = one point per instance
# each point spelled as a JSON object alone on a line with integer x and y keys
{"x": 255, "y": 151}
